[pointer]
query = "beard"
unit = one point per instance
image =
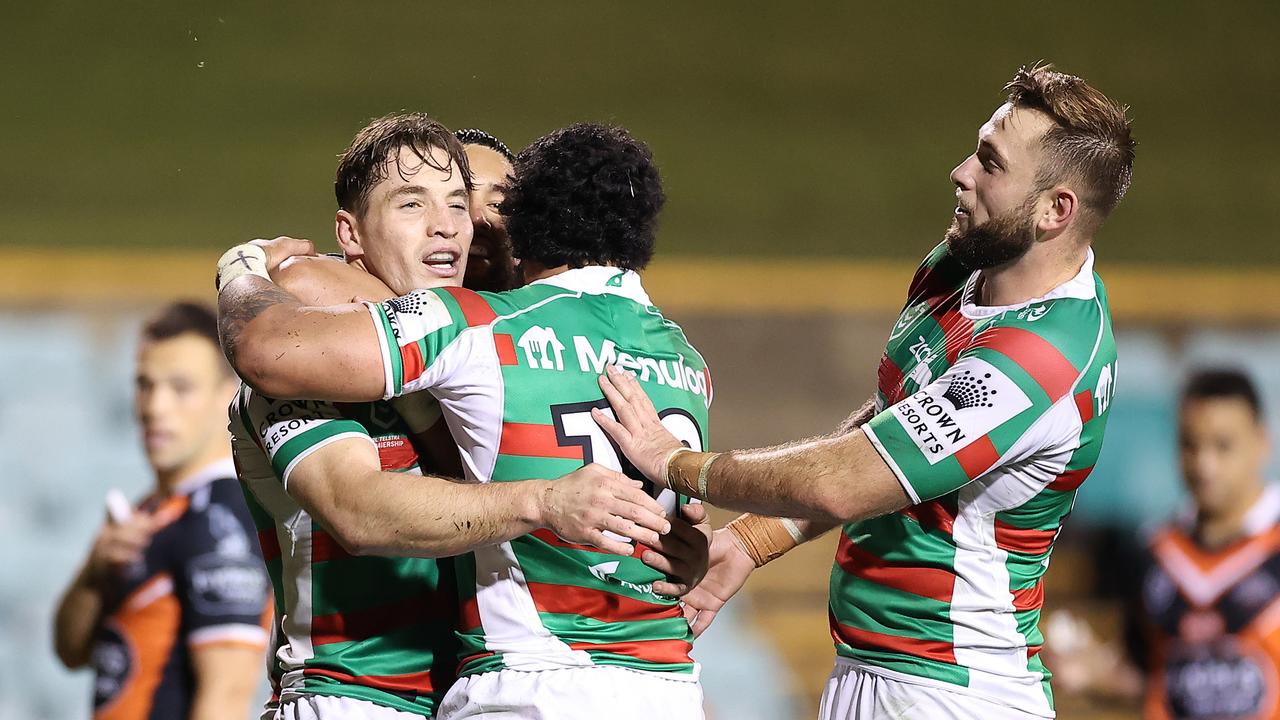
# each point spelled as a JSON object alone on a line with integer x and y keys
{"x": 998, "y": 241}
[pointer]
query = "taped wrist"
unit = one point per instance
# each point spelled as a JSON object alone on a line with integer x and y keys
{"x": 764, "y": 538}
{"x": 688, "y": 471}
{"x": 247, "y": 259}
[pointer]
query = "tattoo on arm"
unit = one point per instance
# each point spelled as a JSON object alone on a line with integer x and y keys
{"x": 240, "y": 302}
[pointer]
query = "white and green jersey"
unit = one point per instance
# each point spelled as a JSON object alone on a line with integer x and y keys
{"x": 371, "y": 628}
{"x": 516, "y": 376}
{"x": 991, "y": 418}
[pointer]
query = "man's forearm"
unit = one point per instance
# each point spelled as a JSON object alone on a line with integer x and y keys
{"x": 397, "y": 514}
{"x": 770, "y": 537}
{"x": 76, "y": 620}
{"x": 832, "y": 479}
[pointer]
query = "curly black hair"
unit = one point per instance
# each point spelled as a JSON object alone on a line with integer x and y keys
{"x": 585, "y": 195}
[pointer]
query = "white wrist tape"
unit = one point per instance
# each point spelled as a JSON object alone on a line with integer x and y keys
{"x": 793, "y": 530}
{"x": 247, "y": 259}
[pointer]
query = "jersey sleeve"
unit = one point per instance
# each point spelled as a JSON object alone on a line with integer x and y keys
{"x": 290, "y": 430}
{"x": 414, "y": 330}
{"x": 1006, "y": 399}
{"x": 220, "y": 579}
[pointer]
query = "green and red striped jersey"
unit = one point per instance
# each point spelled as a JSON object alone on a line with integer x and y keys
{"x": 991, "y": 418}
{"x": 376, "y": 629}
{"x": 516, "y": 376}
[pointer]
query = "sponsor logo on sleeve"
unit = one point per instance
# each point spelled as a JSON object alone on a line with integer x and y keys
{"x": 969, "y": 401}
{"x": 289, "y": 418}
{"x": 220, "y": 586}
{"x": 416, "y": 315}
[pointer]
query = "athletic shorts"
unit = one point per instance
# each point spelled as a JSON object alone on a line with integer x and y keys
{"x": 585, "y": 693}
{"x": 332, "y": 707}
{"x": 855, "y": 692}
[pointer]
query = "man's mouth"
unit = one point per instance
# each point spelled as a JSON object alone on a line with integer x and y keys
{"x": 154, "y": 439}
{"x": 443, "y": 263}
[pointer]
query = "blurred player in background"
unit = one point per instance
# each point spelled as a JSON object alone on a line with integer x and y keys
{"x": 1210, "y": 611}
{"x": 994, "y": 392}
{"x": 169, "y": 607}
{"x": 350, "y": 525}
{"x": 554, "y": 627}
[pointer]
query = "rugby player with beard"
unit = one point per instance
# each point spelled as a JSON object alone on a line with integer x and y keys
{"x": 953, "y": 481}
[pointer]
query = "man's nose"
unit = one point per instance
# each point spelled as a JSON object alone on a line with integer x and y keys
{"x": 962, "y": 174}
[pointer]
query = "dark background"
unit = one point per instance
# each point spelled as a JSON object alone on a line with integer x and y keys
{"x": 781, "y": 129}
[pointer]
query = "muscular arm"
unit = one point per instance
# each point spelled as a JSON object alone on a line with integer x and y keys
{"x": 226, "y": 677}
{"x": 835, "y": 479}
{"x": 328, "y": 280}
{"x": 285, "y": 349}
{"x": 371, "y": 512}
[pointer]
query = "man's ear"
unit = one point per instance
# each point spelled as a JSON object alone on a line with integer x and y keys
{"x": 1062, "y": 210}
{"x": 346, "y": 229}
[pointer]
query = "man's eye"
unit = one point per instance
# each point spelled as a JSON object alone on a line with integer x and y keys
{"x": 493, "y": 206}
{"x": 412, "y": 204}
{"x": 459, "y": 206}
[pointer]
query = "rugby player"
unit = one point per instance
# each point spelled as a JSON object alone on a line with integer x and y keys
{"x": 994, "y": 391}
{"x": 170, "y": 607}
{"x": 1209, "y": 619}
{"x": 489, "y": 263}
{"x": 349, "y": 525}
{"x": 552, "y": 627}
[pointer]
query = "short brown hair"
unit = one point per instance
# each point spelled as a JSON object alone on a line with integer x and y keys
{"x": 1091, "y": 144}
{"x": 367, "y": 161}
{"x": 181, "y": 318}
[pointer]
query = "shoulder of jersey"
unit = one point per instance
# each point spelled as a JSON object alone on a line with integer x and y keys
{"x": 1078, "y": 328}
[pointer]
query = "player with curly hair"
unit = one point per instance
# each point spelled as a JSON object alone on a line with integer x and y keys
{"x": 550, "y": 628}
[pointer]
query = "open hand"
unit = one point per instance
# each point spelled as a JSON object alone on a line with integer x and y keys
{"x": 730, "y": 568}
{"x": 638, "y": 431}
{"x": 582, "y": 505}
{"x": 120, "y": 544}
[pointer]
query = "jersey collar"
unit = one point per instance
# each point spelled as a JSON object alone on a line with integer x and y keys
{"x": 1081, "y": 287}
{"x": 600, "y": 280}
{"x": 216, "y": 470}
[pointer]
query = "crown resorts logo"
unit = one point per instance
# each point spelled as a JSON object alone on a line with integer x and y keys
{"x": 970, "y": 391}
